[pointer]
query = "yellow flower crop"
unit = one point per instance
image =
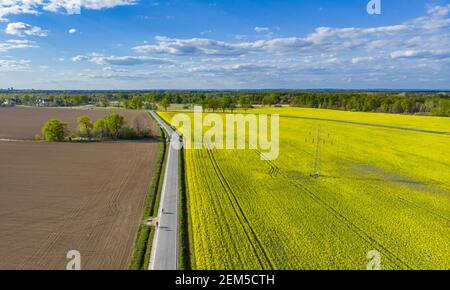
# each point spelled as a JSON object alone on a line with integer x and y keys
{"x": 380, "y": 188}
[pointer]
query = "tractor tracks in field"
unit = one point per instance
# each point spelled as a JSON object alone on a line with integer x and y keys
{"x": 240, "y": 214}
{"x": 343, "y": 219}
{"x": 322, "y": 203}
{"x": 57, "y": 237}
{"x": 353, "y": 227}
{"x": 420, "y": 207}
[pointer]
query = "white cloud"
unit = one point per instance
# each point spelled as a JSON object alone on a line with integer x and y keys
{"x": 24, "y": 29}
{"x": 362, "y": 59}
{"x": 79, "y": 58}
{"x": 261, "y": 29}
{"x": 194, "y": 46}
{"x": 120, "y": 60}
{"x": 416, "y": 48}
{"x": 404, "y": 53}
{"x": 439, "y": 10}
{"x": 109, "y": 69}
{"x": 74, "y": 6}
{"x": 383, "y": 56}
{"x": 15, "y": 44}
{"x": 428, "y": 54}
{"x": 322, "y": 39}
{"x": 15, "y": 7}
{"x": 14, "y": 65}
{"x": 72, "y": 31}
{"x": 429, "y": 32}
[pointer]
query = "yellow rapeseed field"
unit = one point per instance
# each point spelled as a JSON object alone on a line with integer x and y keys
{"x": 408, "y": 121}
{"x": 384, "y": 189}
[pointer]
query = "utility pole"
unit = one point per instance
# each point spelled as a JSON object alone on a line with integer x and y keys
{"x": 317, "y": 162}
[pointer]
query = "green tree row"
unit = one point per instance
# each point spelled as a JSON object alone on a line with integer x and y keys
{"x": 112, "y": 126}
{"x": 431, "y": 103}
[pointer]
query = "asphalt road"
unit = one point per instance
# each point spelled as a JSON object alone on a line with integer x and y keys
{"x": 164, "y": 254}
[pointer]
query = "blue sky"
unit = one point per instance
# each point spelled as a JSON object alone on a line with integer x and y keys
{"x": 224, "y": 44}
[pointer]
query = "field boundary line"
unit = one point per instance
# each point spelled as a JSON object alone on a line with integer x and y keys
{"x": 17, "y": 140}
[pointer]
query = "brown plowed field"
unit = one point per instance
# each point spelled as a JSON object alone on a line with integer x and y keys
{"x": 24, "y": 123}
{"x": 57, "y": 197}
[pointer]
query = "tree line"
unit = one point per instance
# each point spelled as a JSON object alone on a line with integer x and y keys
{"x": 112, "y": 127}
{"x": 429, "y": 103}
{"x": 436, "y": 105}
{"x": 425, "y": 105}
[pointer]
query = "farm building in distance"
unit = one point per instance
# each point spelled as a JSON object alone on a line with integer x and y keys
{"x": 46, "y": 103}
{"x": 8, "y": 103}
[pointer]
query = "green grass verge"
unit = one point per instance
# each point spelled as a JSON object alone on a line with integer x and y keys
{"x": 140, "y": 247}
{"x": 149, "y": 248}
{"x": 157, "y": 197}
{"x": 184, "y": 240}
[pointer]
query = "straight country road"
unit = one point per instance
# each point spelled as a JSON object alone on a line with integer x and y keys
{"x": 164, "y": 253}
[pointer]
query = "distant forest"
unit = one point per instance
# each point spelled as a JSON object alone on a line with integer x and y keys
{"x": 426, "y": 103}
